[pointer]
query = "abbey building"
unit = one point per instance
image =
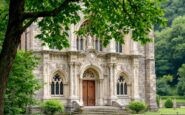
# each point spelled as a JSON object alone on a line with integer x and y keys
{"x": 87, "y": 74}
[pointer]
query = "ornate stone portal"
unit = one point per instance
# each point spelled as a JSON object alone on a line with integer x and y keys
{"x": 92, "y": 75}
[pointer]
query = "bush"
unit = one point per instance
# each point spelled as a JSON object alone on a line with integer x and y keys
{"x": 50, "y": 107}
{"x": 158, "y": 100}
{"x": 168, "y": 103}
{"x": 21, "y": 85}
{"x": 137, "y": 106}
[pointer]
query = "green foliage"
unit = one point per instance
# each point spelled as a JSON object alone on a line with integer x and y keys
{"x": 173, "y": 9}
{"x": 168, "y": 103}
{"x": 107, "y": 19}
{"x": 50, "y": 107}
{"x": 114, "y": 19}
{"x": 3, "y": 20}
{"x": 162, "y": 86}
{"x": 170, "y": 48}
{"x": 158, "y": 100}
{"x": 173, "y": 97}
{"x": 181, "y": 83}
{"x": 137, "y": 106}
{"x": 22, "y": 84}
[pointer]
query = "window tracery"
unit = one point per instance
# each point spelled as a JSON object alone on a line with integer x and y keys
{"x": 57, "y": 85}
{"x": 121, "y": 86}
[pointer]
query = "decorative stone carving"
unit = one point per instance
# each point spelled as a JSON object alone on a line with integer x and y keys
{"x": 88, "y": 75}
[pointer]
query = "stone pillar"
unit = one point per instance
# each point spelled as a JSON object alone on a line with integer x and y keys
{"x": 72, "y": 37}
{"x": 150, "y": 76}
{"x": 80, "y": 86}
{"x": 71, "y": 94}
{"x": 111, "y": 80}
{"x": 136, "y": 78}
{"x": 101, "y": 91}
{"x": 75, "y": 80}
{"x": 112, "y": 46}
{"x": 115, "y": 80}
{"x": 46, "y": 89}
{"x": 111, "y": 83}
{"x": 134, "y": 47}
{"x": 89, "y": 42}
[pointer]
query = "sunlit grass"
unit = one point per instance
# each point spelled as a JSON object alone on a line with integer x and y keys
{"x": 167, "y": 111}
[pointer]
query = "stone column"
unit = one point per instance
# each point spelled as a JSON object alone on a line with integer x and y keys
{"x": 46, "y": 89}
{"x": 71, "y": 81}
{"x": 136, "y": 78}
{"x": 89, "y": 42}
{"x": 111, "y": 83}
{"x": 111, "y": 80}
{"x": 80, "y": 86}
{"x": 150, "y": 76}
{"x": 112, "y": 46}
{"x": 72, "y": 37}
{"x": 114, "y": 79}
{"x": 101, "y": 91}
{"x": 75, "y": 80}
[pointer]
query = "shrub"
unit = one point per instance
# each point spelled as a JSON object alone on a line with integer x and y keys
{"x": 50, "y": 107}
{"x": 158, "y": 100}
{"x": 21, "y": 85}
{"x": 137, "y": 106}
{"x": 168, "y": 103}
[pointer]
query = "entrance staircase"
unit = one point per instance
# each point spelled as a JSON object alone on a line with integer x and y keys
{"x": 100, "y": 110}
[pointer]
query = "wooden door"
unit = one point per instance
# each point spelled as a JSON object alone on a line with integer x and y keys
{"x": 89, "y": 92}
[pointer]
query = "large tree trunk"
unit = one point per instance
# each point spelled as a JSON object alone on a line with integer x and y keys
{"x": 10, "y": 44}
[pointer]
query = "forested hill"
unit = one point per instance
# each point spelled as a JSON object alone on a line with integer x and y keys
{"x": 170, "y": 46}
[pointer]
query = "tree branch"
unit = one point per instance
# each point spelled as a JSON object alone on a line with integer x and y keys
{"x": 28, "y": 24}
{"x": 53, "y": 12}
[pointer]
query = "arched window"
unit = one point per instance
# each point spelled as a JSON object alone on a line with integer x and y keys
{"x": 98, "y": 45}
{"x": 80, "y": 43}
{"x": 119, "y": 47}
{"x": 121, "y": 86}
{"x": 57, "y": 85}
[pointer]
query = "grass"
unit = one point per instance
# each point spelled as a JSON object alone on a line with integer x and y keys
{"x": 167, "y": 111}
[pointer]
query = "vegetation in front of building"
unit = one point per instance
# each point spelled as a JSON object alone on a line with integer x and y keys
{"x": 137, "y": 106}
{"x": 22, "y": 84}
{"x": 169, "y": 103}
{"x": 50, "y": 107}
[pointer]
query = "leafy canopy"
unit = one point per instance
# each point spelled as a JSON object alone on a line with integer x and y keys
{"x": 170, "y": 48}
{"x": 108, "y": 19}
{"x": 181, "y": 83}
{"x": 22, "y": 84}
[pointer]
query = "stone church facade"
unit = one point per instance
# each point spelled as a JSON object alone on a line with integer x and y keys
{"x": 87, "y": 74}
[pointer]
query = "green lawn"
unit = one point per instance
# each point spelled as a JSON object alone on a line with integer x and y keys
{"x": 167, "y": 111}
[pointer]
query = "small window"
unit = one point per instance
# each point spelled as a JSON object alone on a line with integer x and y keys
{"x": 121, "y": 86}
{"x": 119, "y": 47}
{"x": 57, "y": 85}
{"x": 98, "y": 45}
{"x": 80, "y": 44}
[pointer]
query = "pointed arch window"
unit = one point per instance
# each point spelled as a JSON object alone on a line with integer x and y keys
{"x": 98, "y": 45}
{"x": 80, "y": 43}
{"x": 57, "y": 85}
{"x": 119, "y": 47}
{"x": 121, "y": 86}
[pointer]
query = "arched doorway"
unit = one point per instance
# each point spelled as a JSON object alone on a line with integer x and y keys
{"x": 89, "y": 87}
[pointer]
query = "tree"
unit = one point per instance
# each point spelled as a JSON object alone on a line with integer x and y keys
{"x": 181, "y": 83}
{"x": 108, "y": 19}
{"x": 170, "y": 48}
{"x": 163, "y": 88}
{"x": 173, "y": 9}
{"x": 22, "y": 84}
